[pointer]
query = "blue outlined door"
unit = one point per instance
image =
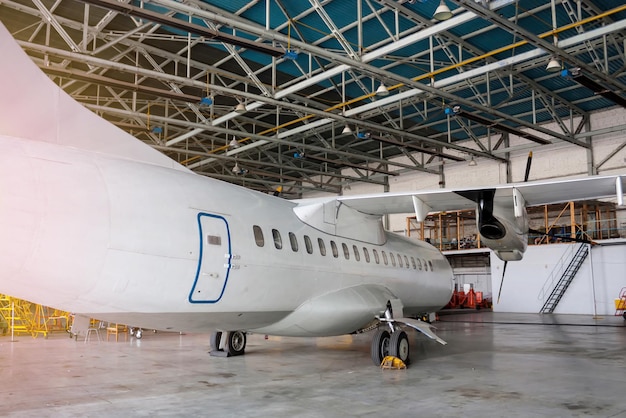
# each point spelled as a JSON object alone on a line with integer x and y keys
{"x": 213, "y": 260}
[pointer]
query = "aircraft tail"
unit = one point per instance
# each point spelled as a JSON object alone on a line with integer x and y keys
{"x": 32, "y": 107}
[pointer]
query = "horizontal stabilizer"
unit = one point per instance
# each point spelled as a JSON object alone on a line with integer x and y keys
{"x": 32, "y": 107}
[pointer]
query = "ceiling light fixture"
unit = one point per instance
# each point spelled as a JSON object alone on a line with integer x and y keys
{"x": 240, "y": 108}
{"x": 442, "y": 12}
{"x": 234, "y": 143}
{"x": 472, "y": 162}
{"x": 382, "y": 90}
{"x": 553, "y": 66}
{"x": 346, "y": 130}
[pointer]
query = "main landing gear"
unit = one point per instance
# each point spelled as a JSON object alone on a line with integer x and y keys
{"x": 391, "y": 340}
{"x": 227, "y": 344}
{"x": 387, "y": 343}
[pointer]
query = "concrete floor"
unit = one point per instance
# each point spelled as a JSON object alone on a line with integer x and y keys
{"x": 494, "y": 365}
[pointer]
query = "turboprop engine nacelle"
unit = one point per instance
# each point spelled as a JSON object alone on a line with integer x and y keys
{"x": 501, "y": 221}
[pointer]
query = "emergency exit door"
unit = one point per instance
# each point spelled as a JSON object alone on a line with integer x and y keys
{"x": 213, "y": 261}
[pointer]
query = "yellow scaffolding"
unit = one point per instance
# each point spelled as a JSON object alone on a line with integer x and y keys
{"x": 23, "y": 317}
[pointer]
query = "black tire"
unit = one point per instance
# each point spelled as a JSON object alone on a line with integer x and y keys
{"x": 214, "y": 341}
{"x": 235, "y": 343}
{"x": 399, "y": 346}
{"x": 624, "y": 315}
{"x": 380, "y": 346}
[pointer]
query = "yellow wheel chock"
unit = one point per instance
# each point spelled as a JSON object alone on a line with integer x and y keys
{"x": 391, "y": 362}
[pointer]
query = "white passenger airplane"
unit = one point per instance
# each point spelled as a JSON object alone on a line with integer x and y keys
{"x": 98, "y": 223}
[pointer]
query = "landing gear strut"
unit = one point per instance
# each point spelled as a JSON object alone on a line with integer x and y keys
{"x": 233, "y": 343}
{"x": 392, "y": 342}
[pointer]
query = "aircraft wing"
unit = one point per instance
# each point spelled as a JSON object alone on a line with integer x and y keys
{"x": 534, "y": 193}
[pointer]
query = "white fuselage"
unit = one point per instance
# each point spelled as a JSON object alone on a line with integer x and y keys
{"x": 153, "y": 247}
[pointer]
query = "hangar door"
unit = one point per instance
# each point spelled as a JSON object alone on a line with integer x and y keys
{"x": 213, "y": 261}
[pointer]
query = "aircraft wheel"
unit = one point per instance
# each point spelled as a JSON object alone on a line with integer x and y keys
{"x": 380, "y": 346}
{"x": 138, "y": 334}
{"x": 131, "y": 332}
{"x": 399, "y": 346}
{"x": 235, "y": 342}
{"x": 215, "y": 341}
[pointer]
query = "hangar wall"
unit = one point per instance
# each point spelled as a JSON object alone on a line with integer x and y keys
{"x": 592, "y": 291}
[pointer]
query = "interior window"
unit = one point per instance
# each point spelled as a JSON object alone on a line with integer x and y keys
{"x": 413, "y": 263}
{"x": 294, "y": 241}
{"x": 366, "y": 254}
{"x": 419, "y": 264}
{"x": 258, "y": 235}
{"x": 320, "y": 242}
{"x": 346, "y": 251}
{"x": 430, "y": 264}
{"x": 406, "y": 261}
{"x": 385, "y": 258}
{"x": 278, "y": 241}
{"x": 393, "y": 259}
{"x": 425, "y": 266}
{"x": 214, "y": 240}
{"x": 308, "y": 244}
{"x": 400, "y": 260}
{"x": 376, "y": 256}
{"x": 333, "y": 247}
{"x": 357, "y": 256}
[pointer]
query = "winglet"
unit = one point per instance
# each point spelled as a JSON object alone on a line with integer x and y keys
{"x": 33, "y": 108}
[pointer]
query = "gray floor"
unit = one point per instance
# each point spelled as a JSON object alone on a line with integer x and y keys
{"x": 495, "y": 365}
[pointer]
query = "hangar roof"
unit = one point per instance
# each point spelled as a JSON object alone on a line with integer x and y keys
{"x": 173, "y": 72}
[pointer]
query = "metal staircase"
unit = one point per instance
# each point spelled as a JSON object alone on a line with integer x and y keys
{"x": 565, "y": 279}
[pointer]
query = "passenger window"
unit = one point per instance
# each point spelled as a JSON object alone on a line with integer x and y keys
{"x": 320, "y": 242}
{"x": 376, "y": 256}
{"x": 333, "y": 247}
{"x": 430, "y": 264}
{"x": 278, "y": 242}
{"x": 385, "y": 258}
{"x": 357, "y": 257}
{"x": 425, "y": 265}
{"x": 393, "y": 259}
{"x": 366, "y": 254}
{"x": 406, "y": 261}
{"x": 419, "y": 264}
{"x": 413, "y": 263}
{"x": 346, "y": 251}
{"x": 258, "y": 235}
{"x": 294, "y": 242}
{"x": 308, "y": 244}
{"x": 400, "y": 260}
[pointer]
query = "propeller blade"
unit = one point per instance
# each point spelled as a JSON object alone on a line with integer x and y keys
{"x": 502, "y": 281}
{"x": 528, "y": 163}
